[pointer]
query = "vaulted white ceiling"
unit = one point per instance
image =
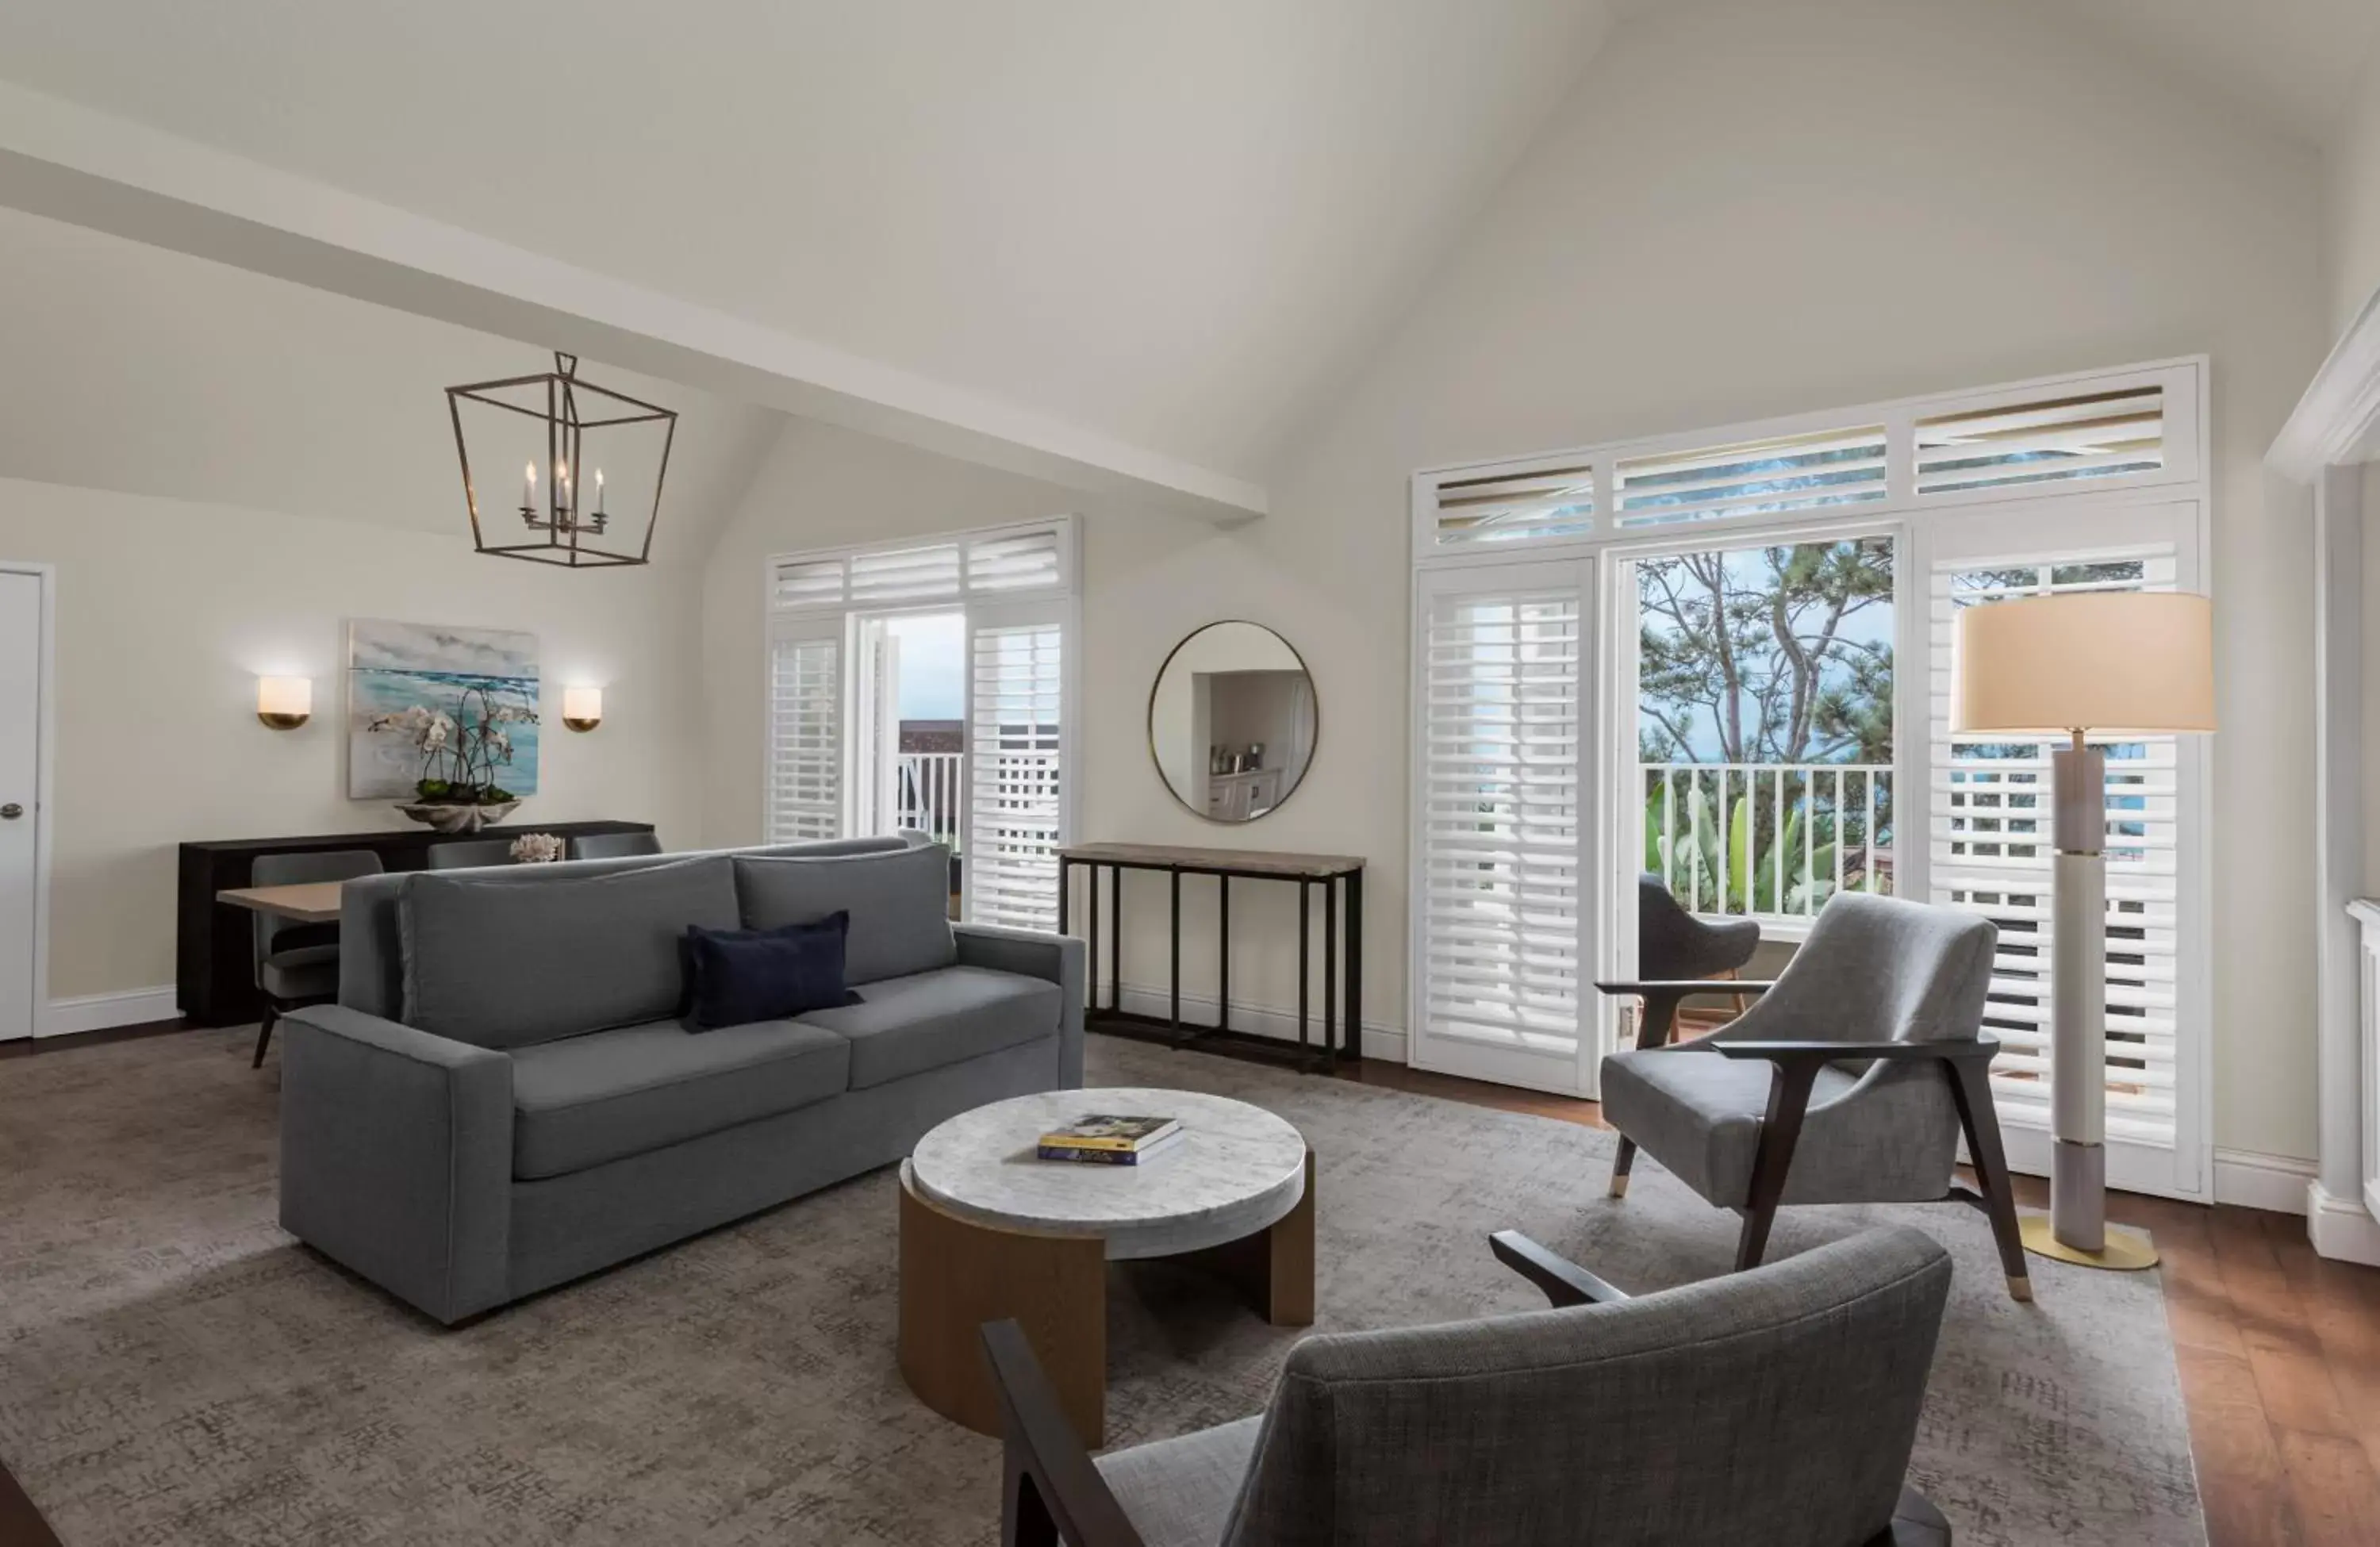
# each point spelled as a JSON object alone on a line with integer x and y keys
{"x": 1172, "y": 223}
{"x": 1173, "y": 227}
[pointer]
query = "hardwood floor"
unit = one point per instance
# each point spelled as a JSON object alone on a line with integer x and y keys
{"x": 2279, "y": 1350}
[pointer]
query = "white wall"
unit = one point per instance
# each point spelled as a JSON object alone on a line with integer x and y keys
{"x": 168, "y": 611}
{"x": 2351, "y": 249}
{"x": 1744, "y": 210}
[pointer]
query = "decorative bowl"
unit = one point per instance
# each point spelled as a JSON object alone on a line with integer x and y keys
{"x": 447, "y": 816}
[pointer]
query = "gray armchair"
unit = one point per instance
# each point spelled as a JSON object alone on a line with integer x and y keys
{"x": 1849, "y": 1080}
{"x": 1777, "y": 1406}
{"x": 297, "y": 964}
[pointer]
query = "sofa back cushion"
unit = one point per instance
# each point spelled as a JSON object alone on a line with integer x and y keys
{"x": 508, "y": 959}
{"x": 899, "y": 904}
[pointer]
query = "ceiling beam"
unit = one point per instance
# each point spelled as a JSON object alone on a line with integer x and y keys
{"x": 68, "y": 163}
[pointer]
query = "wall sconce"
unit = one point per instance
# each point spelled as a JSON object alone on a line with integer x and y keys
{"x": 285, "y": 702}
{"x": 582, "y": 708}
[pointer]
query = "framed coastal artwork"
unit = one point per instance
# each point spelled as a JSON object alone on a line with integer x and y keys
{"x": 404, "y": 677}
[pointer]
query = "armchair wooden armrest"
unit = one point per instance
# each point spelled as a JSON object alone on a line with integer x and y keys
{"x": 1564, "y": 1282}
{"x": 1683, "y": 988}
{"x": 1048, "y": 1488}
{"x": 1949, "y": 1050}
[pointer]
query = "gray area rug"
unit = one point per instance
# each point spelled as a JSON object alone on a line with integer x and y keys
{"x": 175, "y": 1370}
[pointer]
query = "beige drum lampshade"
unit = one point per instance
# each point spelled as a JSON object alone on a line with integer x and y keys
{"x": 2137, "y": 661}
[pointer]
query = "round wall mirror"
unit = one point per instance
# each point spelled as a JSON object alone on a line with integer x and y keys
{"x": 1232, "y": 721}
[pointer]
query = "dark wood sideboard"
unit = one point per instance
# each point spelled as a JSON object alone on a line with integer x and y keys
{"x": 214, "y": 969}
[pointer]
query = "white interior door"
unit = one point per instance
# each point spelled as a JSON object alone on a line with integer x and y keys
{"x": 1019, "y": 732}
{"x": 1987, "y": 847}
{"x": 20, "y": 722}
{"x": 1501, "y": 914}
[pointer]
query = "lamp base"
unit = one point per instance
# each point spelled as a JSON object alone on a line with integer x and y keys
{"x": 2126, "y": 1251}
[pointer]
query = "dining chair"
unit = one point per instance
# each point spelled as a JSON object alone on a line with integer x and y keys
{"x": 1779, "y": 1406}
{"x": 1676, "y": 950}
{"x": 462, "y": 854}
{"x": 1851, "y": 1080}
{"x": 614, "y": 846}
{"x": 297, "y": 964}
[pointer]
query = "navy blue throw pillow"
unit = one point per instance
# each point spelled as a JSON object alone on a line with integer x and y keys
{"x": 735, "y": 977}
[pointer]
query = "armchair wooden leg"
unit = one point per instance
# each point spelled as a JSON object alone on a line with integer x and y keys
{"x": 264, "y": 1034}
{"x": 1622, "y": 1159}
{"x": 1789, "y": 1102}
{"x": 1970, "y": 1089}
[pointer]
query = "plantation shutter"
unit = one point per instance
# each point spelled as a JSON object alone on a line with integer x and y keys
{"x": 1990, "y": 852}
{"x": 805, "y": 714}
{"x": 1016, "y": 811}
{"x": 1497, "y": 792}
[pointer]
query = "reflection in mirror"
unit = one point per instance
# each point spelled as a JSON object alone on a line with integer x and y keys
{"x": 1231, "y": 721}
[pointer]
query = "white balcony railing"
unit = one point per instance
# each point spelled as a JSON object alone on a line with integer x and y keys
{"x": 926, "y": 789}
{"x": 1769, "y": 841}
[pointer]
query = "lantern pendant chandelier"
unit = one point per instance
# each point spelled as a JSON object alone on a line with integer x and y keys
{"x": 573, "y": 427}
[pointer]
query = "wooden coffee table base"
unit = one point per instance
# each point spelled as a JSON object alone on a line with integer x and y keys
{"x": 957, "y": 1274}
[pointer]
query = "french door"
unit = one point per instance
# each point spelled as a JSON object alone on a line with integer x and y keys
{"x": 836, "y": 768}
{"x": 1987, "y": 847}
{"x": 1503, "y": 846}
{"x": 1018, "y": 733}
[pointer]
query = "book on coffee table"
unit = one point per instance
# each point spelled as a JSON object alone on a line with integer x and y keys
{"x": 1103, "y": 1139}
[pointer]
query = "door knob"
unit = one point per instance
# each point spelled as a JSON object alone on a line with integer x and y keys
{"x": 11, "y": 811}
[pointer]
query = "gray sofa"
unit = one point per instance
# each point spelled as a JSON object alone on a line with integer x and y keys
{"x": 502, "y": 1098}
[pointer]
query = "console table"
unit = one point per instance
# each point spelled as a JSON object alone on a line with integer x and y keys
{"x": 214, "y": 966}
{"x": 1336, "y": 876}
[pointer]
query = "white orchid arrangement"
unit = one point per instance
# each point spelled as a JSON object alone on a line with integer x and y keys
{"x": 536, "y": 848}
{"x": 460, "y": 751}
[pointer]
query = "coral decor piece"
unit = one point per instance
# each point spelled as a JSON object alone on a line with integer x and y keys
{"x": 536, "y": 848}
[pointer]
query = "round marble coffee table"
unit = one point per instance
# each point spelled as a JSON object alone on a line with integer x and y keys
{"x": 990, "y": 1231}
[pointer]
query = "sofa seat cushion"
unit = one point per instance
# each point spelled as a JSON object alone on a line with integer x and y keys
{"x": 583, "y": 1101}
{"x": 307, "y": 972}
{"x": 906, "y": 1026}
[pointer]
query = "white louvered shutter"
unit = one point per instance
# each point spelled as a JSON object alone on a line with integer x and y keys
{"x": 1821, "y": 470}
{"x": 905, "y": 577}
{"x": 1004, "y": 564}
{"x": 1990, "y": 852}
{"x": 1497, "y": 797}
{"x": 806, "y": 715}
{"x": 1465, "y": 511}
{"x": 2049, "y": 439}
{"x": 1015, "y": 809}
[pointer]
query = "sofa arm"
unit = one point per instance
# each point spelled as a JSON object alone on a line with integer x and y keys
{"x": 396, "y": 1151}
{"x": 1060, "y": 958}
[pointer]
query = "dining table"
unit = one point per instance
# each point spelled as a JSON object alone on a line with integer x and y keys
{"x": 308, "y": 902}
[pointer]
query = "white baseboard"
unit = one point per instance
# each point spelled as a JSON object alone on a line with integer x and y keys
{"x": 100, "y": 1011}
{"x": 2341, "y": 1227}
{"x": 1384, "y": 1042}
{"x": 2255, "y": 1181}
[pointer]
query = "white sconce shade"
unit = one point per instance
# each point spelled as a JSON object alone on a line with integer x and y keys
{"x": 582, "y": 708}
{"x": 285, "y": 702}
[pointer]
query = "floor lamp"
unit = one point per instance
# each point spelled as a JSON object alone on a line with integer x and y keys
{"x": 2111, "y": 665}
